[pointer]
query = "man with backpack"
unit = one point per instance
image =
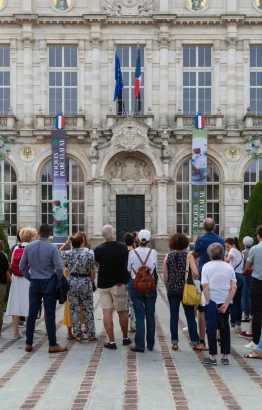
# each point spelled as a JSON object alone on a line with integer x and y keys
{"x": 111, "y": 257}
{"x": 142, "y": 265}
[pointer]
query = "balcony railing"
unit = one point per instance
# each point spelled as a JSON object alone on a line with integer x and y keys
{"x": 187, "y": 122}
{"x": 252, "y": 120}
{"x": 72, "y": 122}
{"x": 8, "y": 124}
{"x": 143, "y": 118}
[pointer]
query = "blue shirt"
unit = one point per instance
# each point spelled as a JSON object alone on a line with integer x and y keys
{"x": 255, "y": 257}
{"x": 201, "y": 245}
{"x": 41, "y": 260}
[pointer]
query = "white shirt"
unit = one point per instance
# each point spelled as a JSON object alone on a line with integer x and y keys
{"x": 237, "y": 261}
{"x": 134, "y": 263}
{"x": 218, "y": 276}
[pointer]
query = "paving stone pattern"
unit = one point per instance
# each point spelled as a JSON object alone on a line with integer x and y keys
{"x": 91, "y": 377}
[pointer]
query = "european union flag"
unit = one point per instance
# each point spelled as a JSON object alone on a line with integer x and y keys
{"x": 119, "y": 78}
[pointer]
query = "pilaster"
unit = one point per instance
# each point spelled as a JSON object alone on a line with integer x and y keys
{"x": 179, "y": 69}
{"x": 233, "y": 207}
{"x": 164, "y": 6}
{"x": 217, "y": 70}
{"x": 43, "y": 77}
{"x": 81, "y": 73}
{"x": 95, "y": 6}
{"x": 246, "y": 75}
{"x": 28, "y": 41}
{"x": 13, "y": 73}
{"x": 98, "y": 209}
{"x": 161, "y": 237}
{"x": 149, "y": 75}
{"x": 27, "y": 6}
{"x": 96, "y": 43}
{"x": 231, "y": 43}
{"x": 110, "y": 75}
{"x": 163, "y": 56}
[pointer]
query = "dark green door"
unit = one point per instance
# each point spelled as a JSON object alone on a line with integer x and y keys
{"x": 130, "y": 214}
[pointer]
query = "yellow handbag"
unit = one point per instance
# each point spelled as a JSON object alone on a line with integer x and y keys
{"x": 190, "y": 295}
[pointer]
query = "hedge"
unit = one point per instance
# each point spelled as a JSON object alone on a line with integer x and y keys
{"x": 253, "y": 214}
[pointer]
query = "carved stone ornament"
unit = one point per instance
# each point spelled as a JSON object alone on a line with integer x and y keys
{"x": 233, "y": 153}
{"x": 233, "y": 193}
{"x": 231, "y": 42}
{"x": 27, "y": 154}
{"x": 2, "y": 4}
{"x": 257, "y": 5}
{"x": 130, "y": 169}
{"x": 27, "y": 193}
{"x": 96, "y": 42}
{"x": 28, "y": 42}
{"x": 62, "y": 6}
{"x": 197, "y": 6}
{"x": 129, "y": 7}
{"x": 130, "y": 139}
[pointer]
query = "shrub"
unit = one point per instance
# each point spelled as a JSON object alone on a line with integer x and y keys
{"x": 253, "y": 214}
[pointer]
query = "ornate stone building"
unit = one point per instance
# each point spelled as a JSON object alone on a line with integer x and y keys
{"x": 127, "y": 166}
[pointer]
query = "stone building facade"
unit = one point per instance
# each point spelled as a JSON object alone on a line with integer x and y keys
{"x": 131, "y": 170}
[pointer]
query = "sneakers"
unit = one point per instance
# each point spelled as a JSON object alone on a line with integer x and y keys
{"x": 36, "y": 336}
{"x": 127, "y": 342}
{"x": 225, "y": 362}
{"x": 111, "y": 346}
{"x": 17, "y": 337}
{"x": 209, "y": 361}
{"x": 57, "y": 349}
{"x": 185, "y": 329}
{"x": 251, "y": 346}
{"x": 237, "y": 330}
{"x": 246, "y": 335}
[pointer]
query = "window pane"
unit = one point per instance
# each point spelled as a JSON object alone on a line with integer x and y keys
{"x": 192, "y": 56}
{"x": 186, "y": 58}
{"x": 253, "y": 57}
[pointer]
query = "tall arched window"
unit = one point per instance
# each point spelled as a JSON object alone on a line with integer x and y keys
{"x": 252, "y": 175}
{"x": 75, "y": 194}
{"x": 8, "y": 188}
{"x": 183, "y": 196}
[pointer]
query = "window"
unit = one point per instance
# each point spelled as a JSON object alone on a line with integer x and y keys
{"x": 128, "y": 57}
{"x": 197, "y": 80}
{"x": 8, "y": 186}
{"x": 183, "y": 196}
{"x": 256, "y": 80}
{"x": 4, "y": 80}
{"x": 252, "y": 175}
{"x": 63, "y": 80}
{"x": 75, "y": 194}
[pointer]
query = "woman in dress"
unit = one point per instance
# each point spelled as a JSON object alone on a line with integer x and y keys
{"x": 81, "y": 277}
{"x": 18, "y": 301}
{"x": 4, "y": 279}
{"x": 174, "y": 278}
{"x": 236, "y": 260}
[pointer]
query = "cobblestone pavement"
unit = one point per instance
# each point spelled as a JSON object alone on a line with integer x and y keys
{"x": 90, "y": 377}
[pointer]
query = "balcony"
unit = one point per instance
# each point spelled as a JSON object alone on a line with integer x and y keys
{"x": 8, "y": 125}
{"x": 142, "y": 118}
{"x": 74, "y": 125}
{"x": 253, "y": 123}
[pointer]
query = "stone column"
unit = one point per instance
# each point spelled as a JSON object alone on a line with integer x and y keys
{"x": 231, "y": 43}
{"x": 81, "y": 74}
{"x": 98, "y": 209}
{"x": 96, "y": 43}
{"x": 217, "y": 75}
{"x": 13, "y": 73}
{"x": 43, "y": 77}
{"x": 161, "y": 237}
{"x": 28, "y": 80}
{"x": 233, "y": 207}
{"x": 110, "y": 76}
{"x": 179, "y": 80}
{"x": 163, "y": 56}
{"x": 149, "y": 75}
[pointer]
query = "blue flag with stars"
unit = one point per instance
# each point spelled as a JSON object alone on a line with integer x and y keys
{"x": 118, "y": 77}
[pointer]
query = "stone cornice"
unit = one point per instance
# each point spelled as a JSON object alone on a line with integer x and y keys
{"x": 233, "y": 18}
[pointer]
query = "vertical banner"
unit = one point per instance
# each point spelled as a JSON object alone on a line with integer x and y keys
{"x": 199, "y": 179}
{"x": 59, "y": 186}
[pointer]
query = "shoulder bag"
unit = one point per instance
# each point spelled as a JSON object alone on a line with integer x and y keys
{"x": 190, "y": 295}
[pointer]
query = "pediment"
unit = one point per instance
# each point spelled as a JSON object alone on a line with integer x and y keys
{"x": 129, "y": 135}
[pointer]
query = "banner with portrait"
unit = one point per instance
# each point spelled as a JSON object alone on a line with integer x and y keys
{"x": 199, "y": 179}
{"x": 59, "y": 186}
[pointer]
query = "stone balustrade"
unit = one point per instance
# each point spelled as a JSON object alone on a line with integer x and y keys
{"x": 8, "y": 125}
{"x": 187, "y": 122}
{"x": 72, "y": 122}
{"x": 252, "y": 121}
{"x": 142, "y": 118}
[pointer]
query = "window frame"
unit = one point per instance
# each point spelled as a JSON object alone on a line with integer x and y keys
{"x": 250, "y": 184}
{"x": 197, "y": 70}
{"x": 254, "y": 69}
{"x": 63, "y": 70}
{"x": 12, "y": 229}
{"x": 6, "y": 69}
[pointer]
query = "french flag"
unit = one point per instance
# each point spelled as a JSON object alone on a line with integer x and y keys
{"x": 138, "y": 75}
{"x": 200, "y": 121}
{"x": 60, "y": 121}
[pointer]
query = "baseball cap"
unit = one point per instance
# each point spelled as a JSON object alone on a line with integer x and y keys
{"x": 144, "y": 235}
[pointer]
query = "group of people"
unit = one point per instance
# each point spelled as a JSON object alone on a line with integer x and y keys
{"x": 231, "y": 286}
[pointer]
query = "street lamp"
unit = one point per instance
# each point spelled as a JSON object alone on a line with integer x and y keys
{"x": 5, "y": 147}
{"x": 252, "y": 146}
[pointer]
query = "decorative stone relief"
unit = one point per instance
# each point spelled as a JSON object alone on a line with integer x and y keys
{"x": 231, "y": 42}
{"x": 27, "y": 154}
{"x": 232, "y": 153}
{"x": 28, "y": 42}
{"x": 130, "y": 139}
{"x": 165, "y": 145}
{"x": 258, "y": 5}
{"x": 129, "y": 7}
{"x": 233, "y": 193}
{"x": 197, "y": 5}
{"x": 27, "y": 193}
{"x": 130, "y": 169}
{"x": 62, "y": 6}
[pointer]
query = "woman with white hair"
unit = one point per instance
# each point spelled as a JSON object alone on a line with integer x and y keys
{"x": 18, "y": 301}
{"x": 246, "y": 303}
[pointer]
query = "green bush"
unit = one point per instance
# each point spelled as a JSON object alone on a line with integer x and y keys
{"x": 253, "y": 214}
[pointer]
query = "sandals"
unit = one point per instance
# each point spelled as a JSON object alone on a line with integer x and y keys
{"x": 256, "y": 354}
{"x": 92, "y": 340}
{"x": 174, "y": 347}
{"x": 71, "y": 337}
{"x": 245, "y": 319}
{"x": 200, "y": 348}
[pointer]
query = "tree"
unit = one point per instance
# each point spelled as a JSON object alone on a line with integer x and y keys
{"x": 4, "y": 239}
{"x": 253, "y": 214}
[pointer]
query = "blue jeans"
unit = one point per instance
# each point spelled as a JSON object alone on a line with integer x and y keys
{"x": 37, "y": 292}
{"x": 215, "y": 321}
{"x": 246, "y": 302}
{"x": 259, "y": 346}
{"x": 236, "y": 307}
{"x": 175, "y": 299}
{"x": 144, "y": 306}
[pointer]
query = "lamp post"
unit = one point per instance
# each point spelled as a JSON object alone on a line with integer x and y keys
{"x": 5, "y": 146}
{"x": 252, "y": 147}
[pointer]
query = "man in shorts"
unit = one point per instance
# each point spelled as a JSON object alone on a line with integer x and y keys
{"x": 200, "y": 251}
{"x": 111, "y": 257}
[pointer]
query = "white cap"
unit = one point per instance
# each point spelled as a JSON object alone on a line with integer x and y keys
{"x": 248, "y": 241}
{"x": 144, "y": 235}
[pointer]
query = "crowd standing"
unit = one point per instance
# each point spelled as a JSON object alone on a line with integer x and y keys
{"x": 216, "y": 282}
